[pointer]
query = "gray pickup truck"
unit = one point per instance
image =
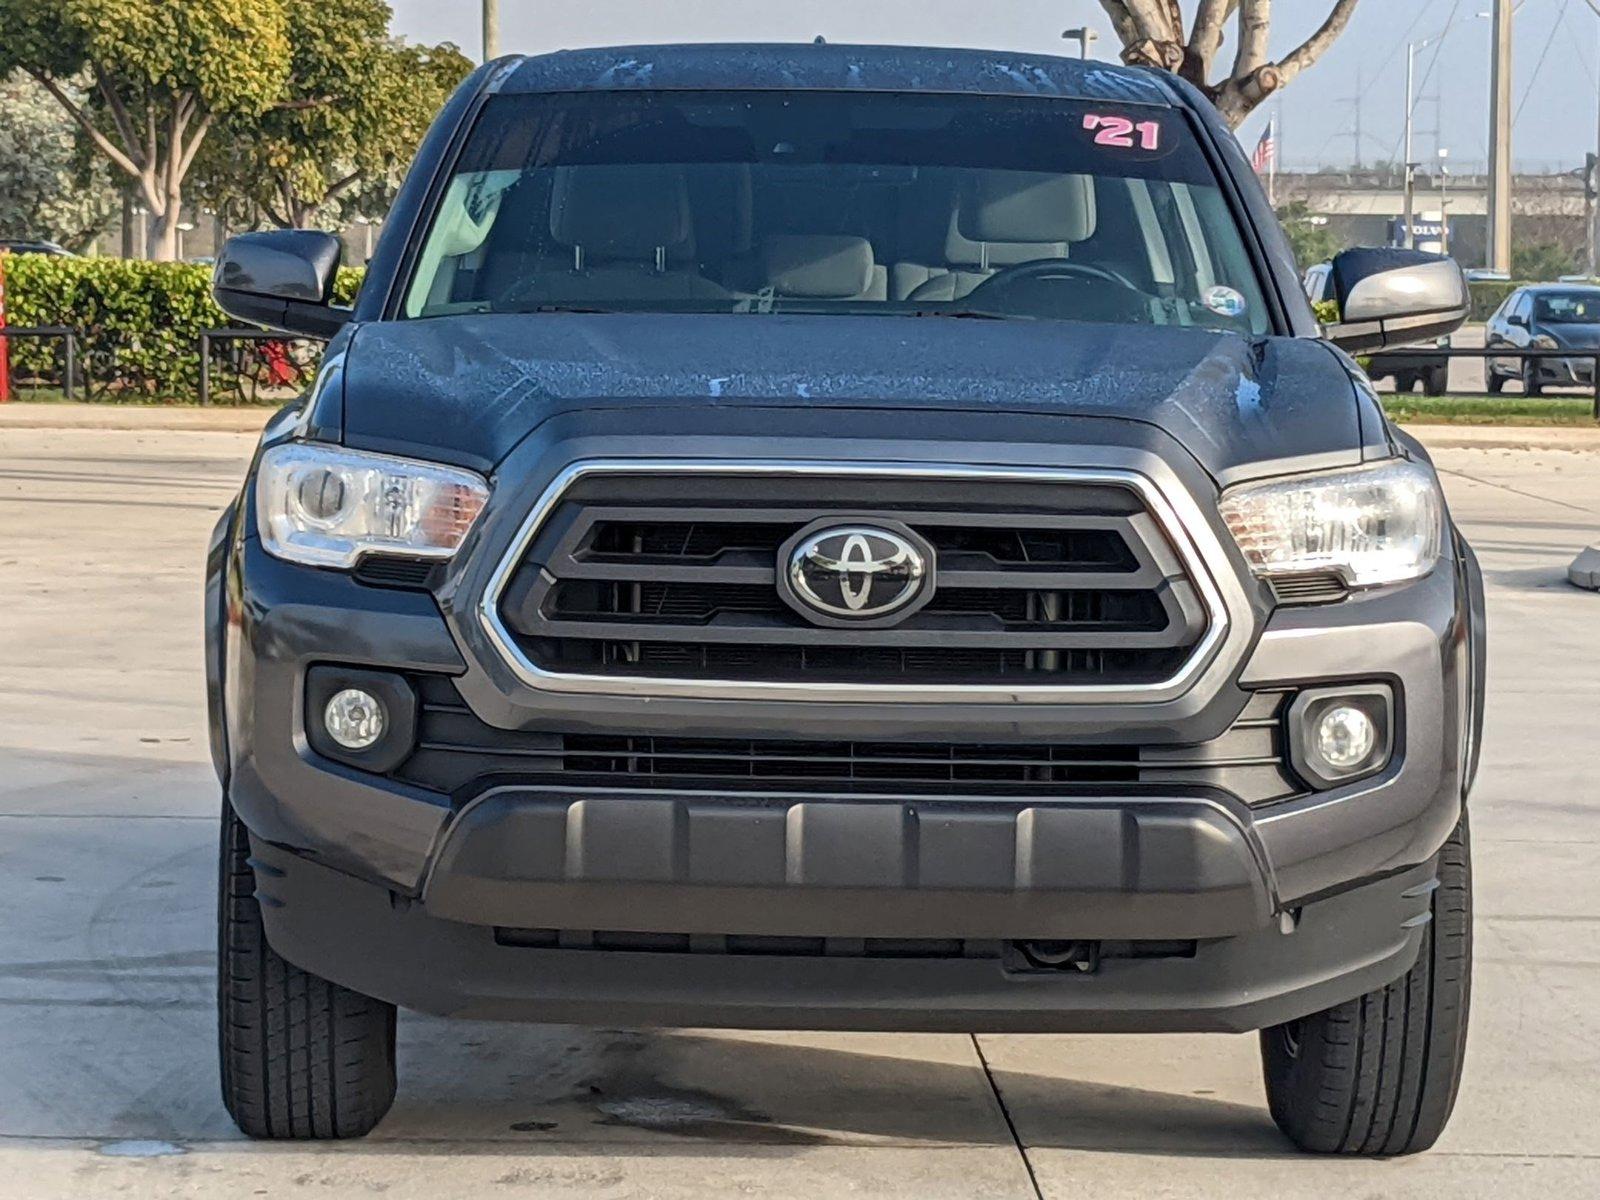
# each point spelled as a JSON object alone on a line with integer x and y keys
{"x": 851, "y": 538}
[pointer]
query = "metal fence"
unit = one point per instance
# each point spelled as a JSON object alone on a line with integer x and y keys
{"x": 256, "y": 366}
{"x": 63, "y": 377}
{"x": 236, "y": 366}
{"x": 1590, "y": 357}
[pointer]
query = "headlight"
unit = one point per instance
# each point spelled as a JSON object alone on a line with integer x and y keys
{"x": 1373, "y": 525}
{"x": 1545, "y": 342}
{"x": 326, "y": 507}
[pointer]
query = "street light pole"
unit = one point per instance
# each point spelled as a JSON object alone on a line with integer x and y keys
{"x": 1084, "y": 36}
{"x": 1444, "y": 201}
{"x": 1500, "y": 141}
{"x": 491, "y": 30}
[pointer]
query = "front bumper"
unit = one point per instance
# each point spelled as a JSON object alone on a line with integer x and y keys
{"x": 1568, "y": 372}
{"x": 409, "y": 894}
{"x": 356, "y": 934}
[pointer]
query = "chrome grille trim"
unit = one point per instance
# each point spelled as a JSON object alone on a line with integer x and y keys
{"x": 1161, "y": 507}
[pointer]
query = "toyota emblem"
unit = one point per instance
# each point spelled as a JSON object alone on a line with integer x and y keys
{"x": 838, "y": 574}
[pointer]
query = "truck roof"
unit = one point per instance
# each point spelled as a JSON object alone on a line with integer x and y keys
{"x": 828, "y": 67}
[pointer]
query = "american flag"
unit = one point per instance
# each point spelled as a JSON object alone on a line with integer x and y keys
{"x": 1267, "y": 148}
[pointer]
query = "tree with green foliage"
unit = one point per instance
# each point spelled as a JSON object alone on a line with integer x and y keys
{"x": 354, "y": 106}
{"x": 48, "y": 188}
{"x": 1312, "y": 241}
{"x": 1541, "y": 262}
{"x": 160, "y": 75}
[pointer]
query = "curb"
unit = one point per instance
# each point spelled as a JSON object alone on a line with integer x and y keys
{"x": 1506, "y": 437}
{"x": 142, "y": 418}
{"x": 1585, "y": 569}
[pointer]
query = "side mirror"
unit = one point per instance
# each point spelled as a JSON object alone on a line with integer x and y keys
{"x": 1517, "y": 319}
{"x": 1395, "y": 297}
{"x": 282, "y": 279}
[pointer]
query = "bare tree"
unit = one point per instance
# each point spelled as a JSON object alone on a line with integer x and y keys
{"x": 1153, "y": 35}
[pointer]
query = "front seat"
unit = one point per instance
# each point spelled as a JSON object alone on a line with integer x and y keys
{"x": 627, "y": 231}
{"x": 1004, "y": 218}
{"x": 822, "y": 266}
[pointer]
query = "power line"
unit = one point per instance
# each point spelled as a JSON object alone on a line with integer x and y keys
{"x": 1555, "y": 28}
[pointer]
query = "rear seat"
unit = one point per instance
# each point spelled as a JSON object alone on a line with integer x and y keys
{"x": 1005, "y": 219}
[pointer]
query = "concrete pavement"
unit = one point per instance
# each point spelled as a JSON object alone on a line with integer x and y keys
{"x": 107, "y": 831}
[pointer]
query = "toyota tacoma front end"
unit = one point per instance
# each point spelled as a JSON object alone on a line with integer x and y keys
{"x": 851, "y": 538}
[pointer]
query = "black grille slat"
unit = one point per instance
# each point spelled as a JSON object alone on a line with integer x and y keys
{"x": 458, "y": 753}
{"x": 677, "y": 577}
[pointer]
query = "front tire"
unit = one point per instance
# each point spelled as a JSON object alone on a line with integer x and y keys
{"x": 1378, "y": 1075}
{"x": 1436, "y": 381}
{"x": 302, "y": 1058}
{"x": 1531, "y": 386}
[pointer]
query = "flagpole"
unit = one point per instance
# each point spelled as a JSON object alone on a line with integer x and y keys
{"x": 1276, "y": 127}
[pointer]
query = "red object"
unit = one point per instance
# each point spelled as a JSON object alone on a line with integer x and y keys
{"x": 1267, "y": 148}
{"x": 5, "y": 342}
{"x": 280, "y": 371}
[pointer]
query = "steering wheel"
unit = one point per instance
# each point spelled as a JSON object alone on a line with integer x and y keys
{"x": 1050, "y": 268}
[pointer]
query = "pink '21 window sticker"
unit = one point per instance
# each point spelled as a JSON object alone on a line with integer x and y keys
{"x": 1121, "y": 133}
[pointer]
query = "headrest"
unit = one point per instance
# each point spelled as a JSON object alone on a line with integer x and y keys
{"x": 961, "y": 251}
{"x": 1025, "y": 206}
{"x": 818, "y": 266}
{"x": 620, "y": 212}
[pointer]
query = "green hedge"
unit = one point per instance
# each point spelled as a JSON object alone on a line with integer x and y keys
{"x": 138, "y": 323}
{"x": 1488, "y": 295}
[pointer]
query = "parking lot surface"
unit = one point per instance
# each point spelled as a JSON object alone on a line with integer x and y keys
{"x": 108, "y": 811}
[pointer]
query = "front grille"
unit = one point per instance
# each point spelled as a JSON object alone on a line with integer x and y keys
{"x": 462, "y": 756}
{"x": 1039, "y": 582}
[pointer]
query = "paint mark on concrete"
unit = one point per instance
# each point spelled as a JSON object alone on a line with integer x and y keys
{"x": 141, "y": 1148}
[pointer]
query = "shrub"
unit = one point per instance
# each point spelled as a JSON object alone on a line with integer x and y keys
{"x": 1488, "y": 295}
{"x": 138, "y": 323}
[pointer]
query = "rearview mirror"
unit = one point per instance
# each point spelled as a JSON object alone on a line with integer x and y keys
{"x": 1393, "y": 297}
{"x": 282, "y": 279}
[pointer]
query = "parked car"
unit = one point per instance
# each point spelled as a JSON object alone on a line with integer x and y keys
{"x": 842, "y": 538}
{"x": 1407, "y": 370}
{"x": 1545, "y": 316}
{"x": 1486, "y": 275}
{"x": 24, "y": 246}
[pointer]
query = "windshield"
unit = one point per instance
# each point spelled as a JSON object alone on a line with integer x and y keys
{"x": 870, "y": 203}
{"x": 1568, "y": 308}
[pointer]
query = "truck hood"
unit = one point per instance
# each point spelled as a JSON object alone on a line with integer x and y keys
{"x": 469, "y": 388}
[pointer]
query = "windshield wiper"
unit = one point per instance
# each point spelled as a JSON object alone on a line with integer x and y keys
{"x": 564, "y": 308}
{"x": 963, "y": 314}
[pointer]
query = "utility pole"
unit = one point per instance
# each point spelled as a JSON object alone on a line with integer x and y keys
{"x": 1500, "y": 141}
{"x": 1359, "y": 97}
{"x": 1591, "y": 193}
{"x": 1408, "y": 238}
{"x": 491, "y": 30}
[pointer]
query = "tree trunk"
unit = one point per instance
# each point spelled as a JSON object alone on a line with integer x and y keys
{"x": 165, "y": 199}
{"x": 164, "y": 235}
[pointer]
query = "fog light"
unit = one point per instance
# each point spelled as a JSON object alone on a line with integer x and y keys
{"x": 354, "y": 718}
{"x": 1345, "y": 737}
{"x": 1339, "y": 734}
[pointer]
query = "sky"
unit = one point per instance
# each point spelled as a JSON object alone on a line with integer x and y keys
{"x": 1555, "y": 91}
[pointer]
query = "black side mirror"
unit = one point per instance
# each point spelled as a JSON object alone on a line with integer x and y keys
{"x": 282, "y": 279}
{"x": 1517, "y": 319}
{"x": 1392, "y": 297}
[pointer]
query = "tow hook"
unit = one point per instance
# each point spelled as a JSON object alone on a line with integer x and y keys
{"x": 1063, "y": 956}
